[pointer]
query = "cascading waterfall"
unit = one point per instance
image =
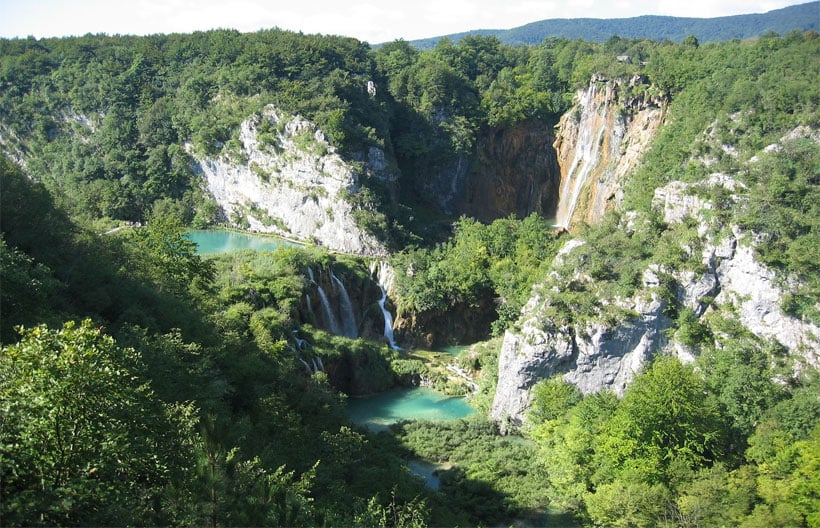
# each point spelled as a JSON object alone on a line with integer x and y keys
{"x": 384, "y": 277}
{"x": 349, "y": 326}
{"x": 330, "y": 317}
{"x": 332, "y": 322}
{"x": 587, "y": 152}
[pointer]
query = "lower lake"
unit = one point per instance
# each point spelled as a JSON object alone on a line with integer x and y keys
{"x": 380, "y": 411}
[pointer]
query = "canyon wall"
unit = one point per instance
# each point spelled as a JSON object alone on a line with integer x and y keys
{"x": 515, "y": 172}
{"x": 604, "y": 350}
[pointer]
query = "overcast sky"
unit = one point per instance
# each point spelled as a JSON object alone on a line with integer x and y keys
{"x": 370, "y": 20}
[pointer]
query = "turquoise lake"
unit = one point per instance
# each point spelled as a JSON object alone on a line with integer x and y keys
{"x": 381, "y": 410}
{"x": 214, "y": 241}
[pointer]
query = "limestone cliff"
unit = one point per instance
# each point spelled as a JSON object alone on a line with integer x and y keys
{"x": 599, "y": 141}
{"x": 732, "y": 275}
{"x": 592, "y": 353}
{"x": 290, "y": 181}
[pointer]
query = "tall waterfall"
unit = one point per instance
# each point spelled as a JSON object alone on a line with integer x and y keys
{"x": 587, "y": 152}
{"x": 349, "y": 326}
{"x": 384, "y": 277}
{"x": 330, "y": 317}
{"x": 599, "y": 141}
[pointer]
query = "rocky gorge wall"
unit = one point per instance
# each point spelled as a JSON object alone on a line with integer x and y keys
{"x": 511, "y": 170}
{"x": 292, "y": 183}
{"x": 515, "y": 172}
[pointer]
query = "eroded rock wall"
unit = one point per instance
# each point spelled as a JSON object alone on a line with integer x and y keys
{"x": 292, "y": 183}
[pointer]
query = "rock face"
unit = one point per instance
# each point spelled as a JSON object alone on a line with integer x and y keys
{"x": 289, "y": 181}
{"x": 599, "y": 141}
{"x": 510, "y": 171}
{"x": 734, "y": 277}
{"x": 592, "y": 355}
{"x": 516, "y": 172}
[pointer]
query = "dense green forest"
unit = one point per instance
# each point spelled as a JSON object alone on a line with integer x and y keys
{"x": 141, "y": 383}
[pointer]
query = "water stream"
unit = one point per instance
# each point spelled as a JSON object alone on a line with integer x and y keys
{"x": 587, "y": 152}
{"x": 349, "y": 326}
{"x": 384, "y": 276}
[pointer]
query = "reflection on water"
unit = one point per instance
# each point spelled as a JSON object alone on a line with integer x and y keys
{"x": 380, "y": 411}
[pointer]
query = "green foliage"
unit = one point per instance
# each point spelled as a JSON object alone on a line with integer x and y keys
{"x": 551, "y": 399}
{"x": 620, "y": 503}
{"x": 500, "y": 260}
{"x": 413, "y": 514}
{"x": 483, "y": 468}
{"x": 27, "y": 286}
{"x": 170, "y": 259}
{"x": 782, "y": 208}
{"x": 84, "y": 439}
{"x": 662, "y": 421}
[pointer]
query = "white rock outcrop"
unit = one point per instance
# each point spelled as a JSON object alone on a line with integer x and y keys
{"x": 592, "y": 356}
{"x": 734, "y": 277}
{"x": 293, "y": 184}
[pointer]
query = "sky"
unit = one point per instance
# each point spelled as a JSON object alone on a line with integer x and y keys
{"x": 369, "y": 20}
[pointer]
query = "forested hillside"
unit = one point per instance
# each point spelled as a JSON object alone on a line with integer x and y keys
{"x": 144, "y": 383}
{"x": 804, "y": 16}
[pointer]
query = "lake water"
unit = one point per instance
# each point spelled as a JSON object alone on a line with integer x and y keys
{"x": 419, "y": 403}
{"x": 214, "y": 241}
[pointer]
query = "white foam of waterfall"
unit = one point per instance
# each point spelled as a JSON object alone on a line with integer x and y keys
{"x": 349, "y": 326}
{"x": 303, "y": 362}
{"x": 384, "y": 277}
{"x": 330, "y": 317}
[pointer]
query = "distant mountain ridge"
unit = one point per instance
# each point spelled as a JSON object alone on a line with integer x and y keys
{"x": 802, "y": 17}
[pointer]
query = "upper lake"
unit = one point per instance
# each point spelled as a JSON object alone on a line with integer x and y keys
{"x": 214, "y": 241}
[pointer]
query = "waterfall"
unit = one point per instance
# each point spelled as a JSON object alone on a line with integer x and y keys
{"x": 303, "y": 362}
{"x": 388, "y": 320}
{"x": 349, "y": 326}
{"x": 384, "y": 278}
{"x": 587, "y": 151}
{"x": 330, "y": 317}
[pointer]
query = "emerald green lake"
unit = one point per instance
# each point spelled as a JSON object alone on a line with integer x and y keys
{"x": 381, "y": 410}
{"x": 214, "y": 241}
